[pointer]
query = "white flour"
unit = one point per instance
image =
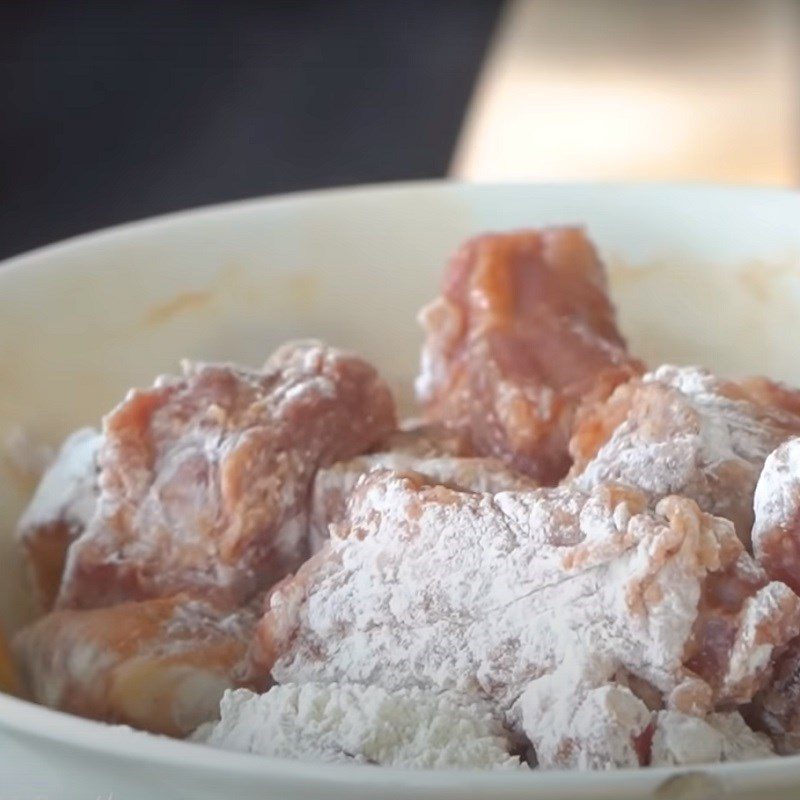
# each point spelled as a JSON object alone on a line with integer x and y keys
{"x": 68, "y": 489}
{"x": 683, "y": 739}
{"x": 684, "y": 431}
{"x": 578, "y": 718}
{"x": 362, "y": 724}
{"x": 333, "y": 485}
{"x": 777, "y": 496}
{"x": 439, "y": 589}
{"x": 581, "y": 717}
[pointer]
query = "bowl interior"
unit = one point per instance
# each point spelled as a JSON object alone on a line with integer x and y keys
{"x": 700, "y": 274}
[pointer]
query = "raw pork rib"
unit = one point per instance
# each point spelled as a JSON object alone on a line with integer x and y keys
{"x": 426, "y": 586}
{"x": 205, "y": 478}
{"x": 439, "y": 460}
{"x": 160, "y": 665}
{"x": 681, "y": 430}
{"x": 772, "y": 394}
{"x": 776, "y": 545}
{"x": 60, "y": 510}
{"x": 421, "y": 439}
{"x": 363, "y": 724}
{"x": 776, "y": 531}
{"x": 522, "y": 333}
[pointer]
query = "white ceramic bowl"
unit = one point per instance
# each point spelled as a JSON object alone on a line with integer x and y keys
{"x": 700, "y": 274}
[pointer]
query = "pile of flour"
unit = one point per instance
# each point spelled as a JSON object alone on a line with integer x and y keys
{"x": 348, "y": 723}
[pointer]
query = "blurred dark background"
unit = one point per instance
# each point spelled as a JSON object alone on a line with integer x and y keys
{"x": 118, "y": 110}
{"x": 114, "y": 111}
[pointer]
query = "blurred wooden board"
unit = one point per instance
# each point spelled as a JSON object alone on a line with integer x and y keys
{"x": 679, "y": 90}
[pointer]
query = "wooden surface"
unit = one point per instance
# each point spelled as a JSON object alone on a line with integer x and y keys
{"x": 612, "y": 89}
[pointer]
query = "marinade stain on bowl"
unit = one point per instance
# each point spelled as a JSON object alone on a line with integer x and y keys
{"x": 297, "y": 291}
{"x": 691, "y": 786}
{"x": 180, "y": 304}
{"x": 730, "y": 318}
{"x": 762, "y": 279}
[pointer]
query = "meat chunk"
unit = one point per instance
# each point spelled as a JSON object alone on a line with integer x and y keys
{"x": 422, "y": 439}
{"x": 205, "y": 478}
{"x": 161, "y": 665}
{"x": 776, "y": 531}
{"x": 772, "y": 394}
{"x": 427, "y": 586}
{"x": 346, "y": 723}
{"x": 682, "y": 430}
{"x": 522, "y": 333}
{"x": 418, "y": 451}
{"x": 60, "y": 510}
{"x": 333, "y": 485}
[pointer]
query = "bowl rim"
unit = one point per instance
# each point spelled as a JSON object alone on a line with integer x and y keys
{"x": 151, "y": 223}
{"x": 36, "y": 721}
{"x": 128, "y": 744}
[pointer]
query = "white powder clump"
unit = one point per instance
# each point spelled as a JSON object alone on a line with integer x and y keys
{"x": 484, "y": 593}
{"x": 349, "y": 723}
{"x": 683, "y": 739}
{"x": 579, "y": 718}
{"x": 333, "y": 485}
{"x": 68, "y": 489}
{"x": 777, "y": 495}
